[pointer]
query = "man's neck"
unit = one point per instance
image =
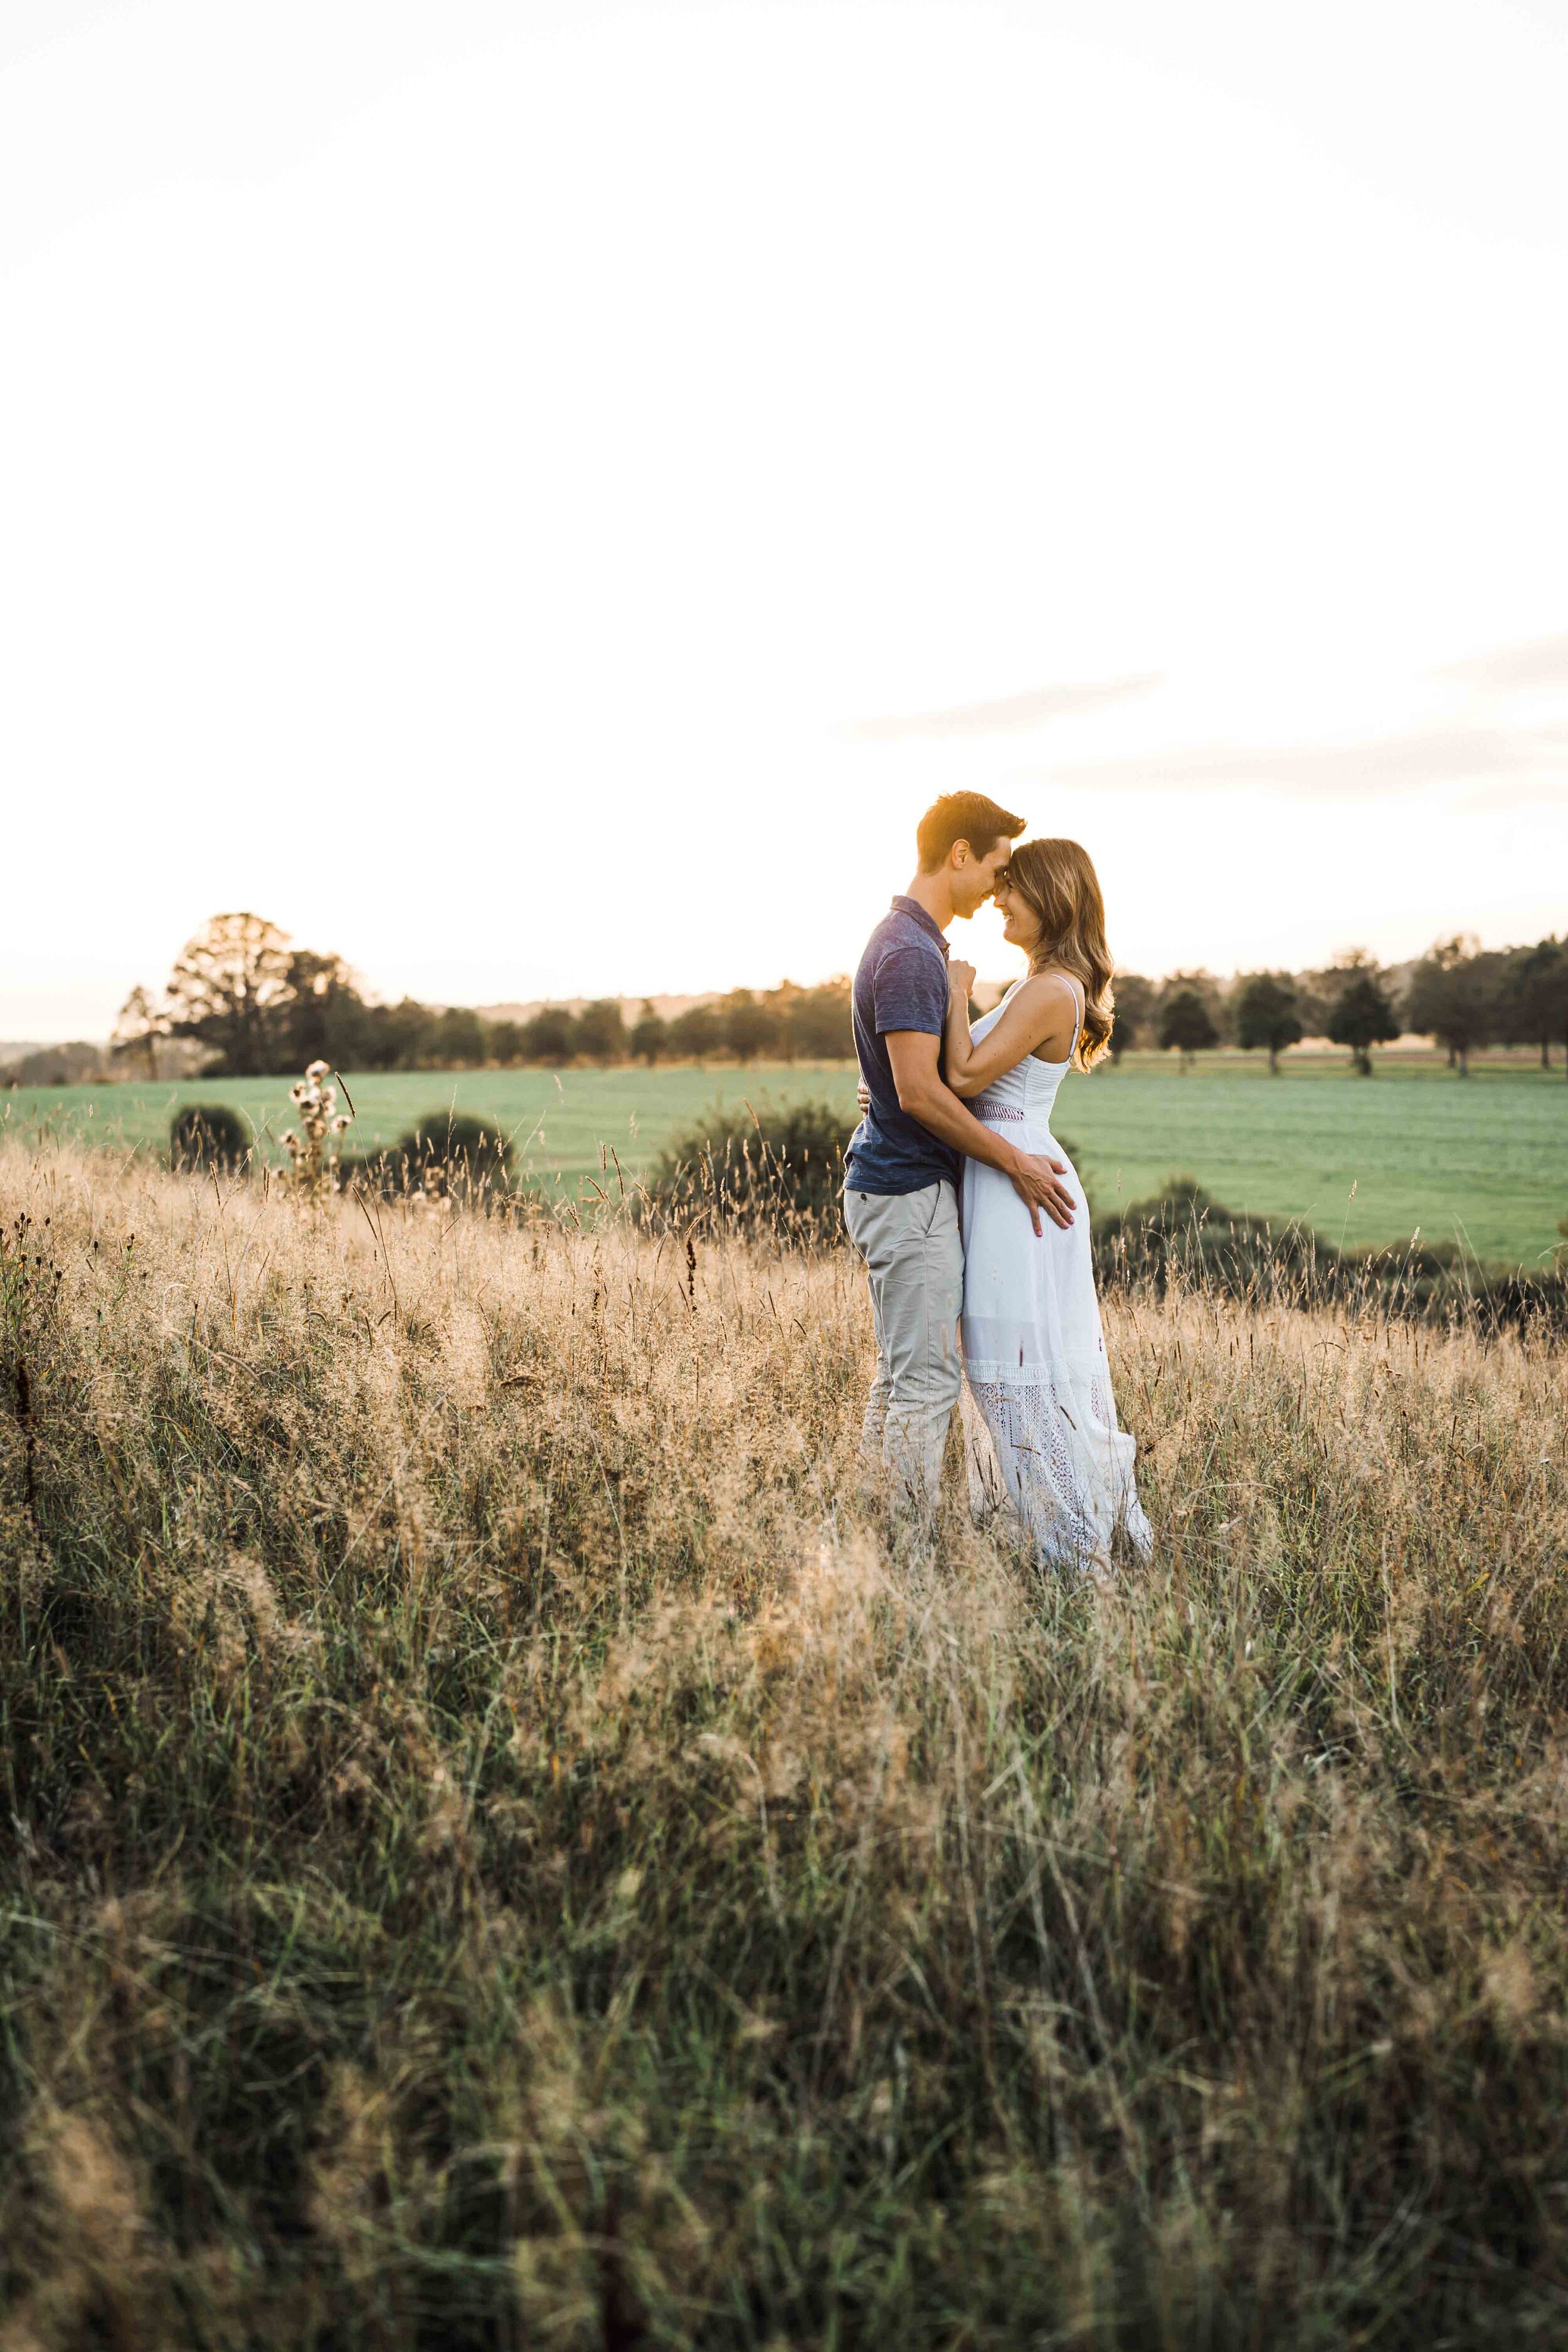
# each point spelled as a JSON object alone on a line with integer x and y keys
{"x": 934, "y": 893}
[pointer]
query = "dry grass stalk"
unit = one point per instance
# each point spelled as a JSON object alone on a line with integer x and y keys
{"x": 508, "y": 1850}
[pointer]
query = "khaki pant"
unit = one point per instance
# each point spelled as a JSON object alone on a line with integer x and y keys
{"x": 914, "y": 1257}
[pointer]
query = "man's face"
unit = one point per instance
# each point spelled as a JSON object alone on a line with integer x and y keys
{"x": 974, "y": 878}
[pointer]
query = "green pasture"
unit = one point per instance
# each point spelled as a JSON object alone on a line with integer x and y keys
{"x": 1483, "y": 1159}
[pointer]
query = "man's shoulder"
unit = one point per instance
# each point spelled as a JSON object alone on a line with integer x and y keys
{"x": 896, "y": 932}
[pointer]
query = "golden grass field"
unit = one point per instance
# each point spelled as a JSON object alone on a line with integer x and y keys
{"x": 505, "y": 1849}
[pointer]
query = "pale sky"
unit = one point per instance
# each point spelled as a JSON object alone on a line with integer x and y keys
{"x": 538, "y": 496}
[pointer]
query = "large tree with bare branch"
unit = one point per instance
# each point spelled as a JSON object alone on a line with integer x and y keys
{"x": 229, "y": 988}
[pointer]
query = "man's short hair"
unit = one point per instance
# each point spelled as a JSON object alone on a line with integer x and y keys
{"x": 962, "y": 817}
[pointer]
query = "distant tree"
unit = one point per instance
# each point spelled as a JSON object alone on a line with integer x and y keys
{"x": 1553, "y": 984}
{"x": 551, "y": 1035}
{"x": 1360, "y": 1015}
{"x": 650, "y": 1034}
{"x": 1533, "y": 996}
{"x": 1317, "y": 992}
{"x": 228, "y": 989}
{"x": 1202, "y": 984}
{"x": 779, "y": 1006}
{"x": 1453, "y": 996}
{"x": 1266, "y": 1014}
{"x": 600, "y": 1030}
{"x": 458, "y": 1039}
{"x": 1137, "y": 1012}
{"x": 748, "y": 1026}
{"x": 374, "y": 1049}
{"x": 506, "y": 1043}
{"x": 1186, "y": 1023}
{"x": 321, "y": 1016}
{"x": 399, "y": 1036}
{"x": 137, "y": 1030}
{"x": 73, "y": 1064}
{"x": 695, "y": 1033}
{"x": 821, "y": 1025}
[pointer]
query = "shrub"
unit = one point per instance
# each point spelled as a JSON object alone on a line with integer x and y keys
{"x": 1184, "y": 1239}
{"x": 779, "y": 1171}
{"x": 447, "y": 1152}
{"x": 209, "y": 1135}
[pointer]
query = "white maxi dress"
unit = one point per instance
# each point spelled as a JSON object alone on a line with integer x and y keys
{"x": 1041, "y": 1437}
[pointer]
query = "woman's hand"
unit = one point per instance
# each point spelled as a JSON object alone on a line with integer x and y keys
{"x": 961, "y": 979}
{"x": 863, "y": 1097}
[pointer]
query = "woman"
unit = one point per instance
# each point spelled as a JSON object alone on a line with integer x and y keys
{"x": 1040, "y": 1426}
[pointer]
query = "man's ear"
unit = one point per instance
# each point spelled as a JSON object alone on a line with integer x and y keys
{"x": 960, "y": 854}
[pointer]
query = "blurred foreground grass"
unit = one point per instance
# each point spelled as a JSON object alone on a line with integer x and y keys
{"x": 507, "y": 1849}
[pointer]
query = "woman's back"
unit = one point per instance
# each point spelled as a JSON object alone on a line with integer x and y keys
{"x": 1026, "y": 1094}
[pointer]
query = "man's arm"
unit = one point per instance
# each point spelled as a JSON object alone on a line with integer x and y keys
{"x": 913, "y": 1053}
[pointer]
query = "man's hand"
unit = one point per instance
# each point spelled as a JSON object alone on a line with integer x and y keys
{"x": 1033, "y": 1179}
{"x": 912, "y": 1053}
{"x": 961, "y": 979}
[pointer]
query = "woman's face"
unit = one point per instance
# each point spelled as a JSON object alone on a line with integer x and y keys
{"x": 1020, "y": 925}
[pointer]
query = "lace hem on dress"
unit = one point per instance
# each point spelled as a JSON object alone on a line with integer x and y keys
{"x": 1053, "y": 1459}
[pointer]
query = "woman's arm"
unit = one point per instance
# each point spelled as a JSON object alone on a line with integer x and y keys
{"x": 1043, "y": 1011}
{"x": 1034, "y": 1176}
{"x": 957, "y": 1050}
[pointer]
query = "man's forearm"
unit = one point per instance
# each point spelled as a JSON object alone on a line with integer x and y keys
{"x": 940, "y": 1109}
{"x": 956, "y": 1044}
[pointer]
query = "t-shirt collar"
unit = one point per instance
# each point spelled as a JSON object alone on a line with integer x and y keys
{"x": 913, "y": 907}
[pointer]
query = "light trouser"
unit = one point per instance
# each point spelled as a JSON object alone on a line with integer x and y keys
{"x": 914, "y": 1257}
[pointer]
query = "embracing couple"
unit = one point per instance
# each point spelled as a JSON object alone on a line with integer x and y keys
{"x": 973, "y": 1229}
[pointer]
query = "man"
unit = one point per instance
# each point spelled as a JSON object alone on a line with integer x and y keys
{"x": 901, "y": 1169}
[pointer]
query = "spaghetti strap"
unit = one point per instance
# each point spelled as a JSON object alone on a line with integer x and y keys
{"x": 1065, "y": 1063}
{"x": 1077, "y": 1017}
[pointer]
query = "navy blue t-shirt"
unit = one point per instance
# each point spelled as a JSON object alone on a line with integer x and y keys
{"x": 901, "y": 983}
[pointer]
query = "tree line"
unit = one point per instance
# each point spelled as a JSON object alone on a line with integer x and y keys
{"x": 1463, "y": 995}
{"x": 257, "y": 1004}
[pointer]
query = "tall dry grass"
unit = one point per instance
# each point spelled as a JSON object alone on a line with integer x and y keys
{"x": 505, "y": 1850}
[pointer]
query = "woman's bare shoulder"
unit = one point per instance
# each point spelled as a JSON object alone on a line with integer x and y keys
{"x": 1044, "y": 995}
{"x": 1048, "y": 987}
{"x": 1048, "y": 1003}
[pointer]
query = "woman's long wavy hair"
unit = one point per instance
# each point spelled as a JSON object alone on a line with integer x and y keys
{"x": 1059, "y": 879}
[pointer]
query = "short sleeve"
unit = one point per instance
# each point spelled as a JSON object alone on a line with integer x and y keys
{"x": 909, "y": 992}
